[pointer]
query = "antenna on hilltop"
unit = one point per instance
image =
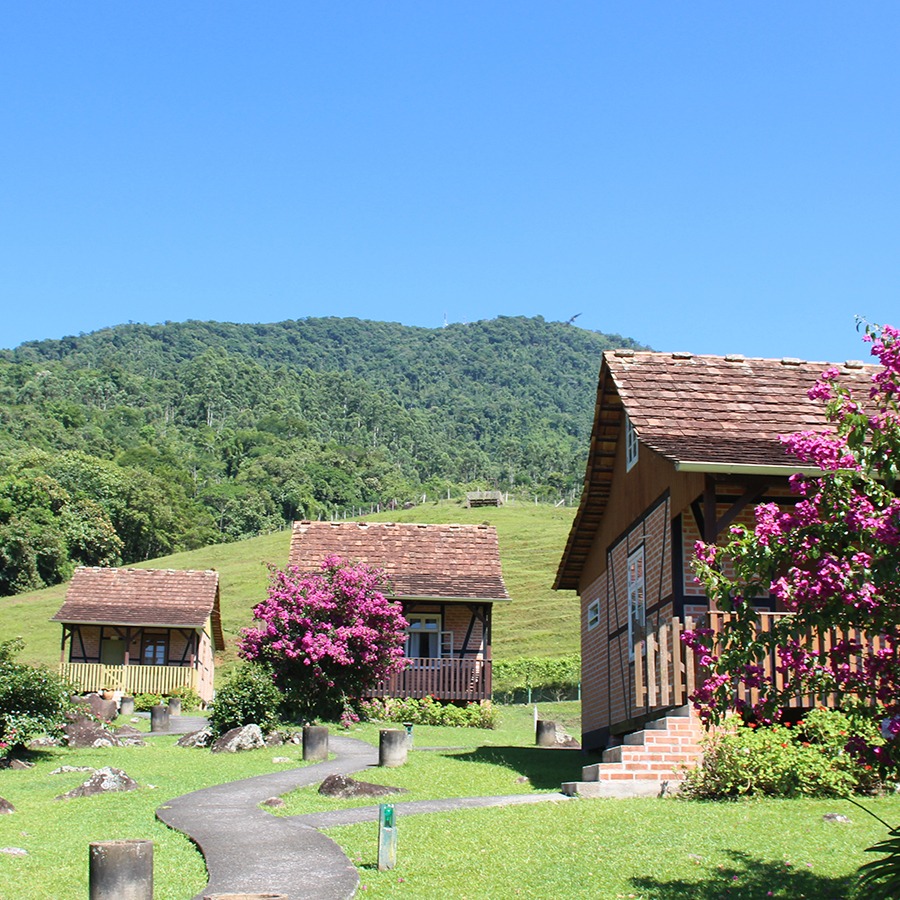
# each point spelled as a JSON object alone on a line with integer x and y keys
{"x": 445, "y": 320}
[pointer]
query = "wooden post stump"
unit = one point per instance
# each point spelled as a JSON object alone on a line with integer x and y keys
{"x": 315, "y": 742}
{"x": 392, "y": 747}
{"x": 121, "y": 870}
{"x": 545, "y": 733}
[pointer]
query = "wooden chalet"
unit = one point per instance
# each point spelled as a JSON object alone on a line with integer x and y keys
{"x": 682, "y": 447}
{"x": 136, "y": 631}
{"x": 447, "y": 578}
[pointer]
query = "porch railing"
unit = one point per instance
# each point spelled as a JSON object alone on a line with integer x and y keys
{"x": 443, "y": 679}
{"x": 129, "y": 679}
{"x": 664, "y": 668}
{"x": 666, "y": 672}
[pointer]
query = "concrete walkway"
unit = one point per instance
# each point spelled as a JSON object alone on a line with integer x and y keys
{"x": 248, "y": 850}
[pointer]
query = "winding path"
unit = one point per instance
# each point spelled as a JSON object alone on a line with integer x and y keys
{"x": 248, "y": 850}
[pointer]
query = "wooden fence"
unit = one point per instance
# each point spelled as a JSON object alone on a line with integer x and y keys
{"x": 129, "y": 679}
{"x": 666, "y": 672}
{"x": 664, "y": 668}
{"x": 444, "y": 679}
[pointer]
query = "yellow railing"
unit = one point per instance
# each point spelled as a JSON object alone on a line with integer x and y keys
{"x": 129, "y": 679}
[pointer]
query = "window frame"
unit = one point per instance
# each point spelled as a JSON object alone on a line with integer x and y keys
{"x": 632, "y": 444}
{"x": 593, "y": 615}
{"x": 636, "y": 592}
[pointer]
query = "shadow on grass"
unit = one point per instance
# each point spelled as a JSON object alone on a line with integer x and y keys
{"x": 543, "y": 767}
{"x": 748, "y": 878}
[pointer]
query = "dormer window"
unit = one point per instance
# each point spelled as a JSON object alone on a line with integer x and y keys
{"x": 631, "y": 444}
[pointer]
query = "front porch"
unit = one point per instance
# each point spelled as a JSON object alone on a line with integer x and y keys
{"x": 443, "y": 679}
{"x": 130, "y": 680}
{"x": 666, "y": 672}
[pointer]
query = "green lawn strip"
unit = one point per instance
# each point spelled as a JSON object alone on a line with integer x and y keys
{"x": 624, "y": 848}
{"x": 515, "y": 726}
{"x": 476, "y": 762}
{"x": 56, "y": 833}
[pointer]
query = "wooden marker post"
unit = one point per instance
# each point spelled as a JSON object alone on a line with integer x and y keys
{"x": 387, "y": 837}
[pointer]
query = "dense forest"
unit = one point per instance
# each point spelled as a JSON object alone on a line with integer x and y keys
{"x": 138, "y": 440}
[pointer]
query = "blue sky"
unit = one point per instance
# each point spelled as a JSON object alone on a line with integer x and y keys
{"x": 700, "y": 176}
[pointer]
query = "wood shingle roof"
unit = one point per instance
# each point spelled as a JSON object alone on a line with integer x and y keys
{"x": 434, "y": 561}
{"x": 165, "y": 598}
{"x": 722, "y": 409}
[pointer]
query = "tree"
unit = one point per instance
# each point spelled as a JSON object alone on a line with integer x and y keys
{"x": 832, "y": 561}
{"x": 329, "y": 637}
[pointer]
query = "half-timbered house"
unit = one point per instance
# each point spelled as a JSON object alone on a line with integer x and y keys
{"x": 141, "y": 630}
{"x": 682, "y": 447}
{"x": 447, "y": 578}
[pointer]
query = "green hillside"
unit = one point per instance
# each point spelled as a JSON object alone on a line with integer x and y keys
{"x": 537, "y": 622}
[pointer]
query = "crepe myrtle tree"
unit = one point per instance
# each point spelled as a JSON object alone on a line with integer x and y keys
{"x": 328, "y": 637}
{"x": 833, "y": 562}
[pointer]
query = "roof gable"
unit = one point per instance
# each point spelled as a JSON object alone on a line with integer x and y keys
{"x": 439, "y": 561}
{"x": 164, "y": 597}
{"x": 702, "y": 413}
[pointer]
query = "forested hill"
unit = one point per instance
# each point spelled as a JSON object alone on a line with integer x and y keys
{"x": 135, "y": 441}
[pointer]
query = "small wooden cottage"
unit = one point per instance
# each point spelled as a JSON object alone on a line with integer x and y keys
{"x": 141, "y": 630}
{"x": 682, "y": 447}
{"x": 447, "y": 577}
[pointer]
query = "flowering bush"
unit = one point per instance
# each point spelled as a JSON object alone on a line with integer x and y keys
{"x": 328, "y": 637}
{"x": 804, "y": 759}
{"x": 429, "y": 711}
{"x": 831, "y": 561}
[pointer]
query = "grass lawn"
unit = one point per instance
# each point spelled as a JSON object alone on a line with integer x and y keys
{"x": 581, "y": 848}
{"x": 56, "y": 833}
{"x": 644, "y": 848}
{"x": 538, "y": 621}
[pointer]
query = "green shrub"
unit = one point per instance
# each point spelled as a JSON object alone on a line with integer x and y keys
{"x": 146, "y": 702}
{"x": 190, "y": 699}
{"x": 805, "y": 759}
{"x": 520, "y": 679}
{"x": 249, "y": 696}
{"x": 33, "y": 700}
{"x": 429, "y": 711}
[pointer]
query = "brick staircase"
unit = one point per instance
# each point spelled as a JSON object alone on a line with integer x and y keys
{"x": 645, "y": 763}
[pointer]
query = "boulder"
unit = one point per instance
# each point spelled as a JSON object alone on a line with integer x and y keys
{"x": 6, "y": 807}
{"x": 201, "y": 738}
{"x": 273, "y": 803}
{"x": 15, "y": 763}
{"x": 13, "y": 851}
{"x": 103, "y": 781}
{"x": 62, "y": 770}
{"x": 106, "y": 710}
{"x": 250, "y": 737}
{"x": 342, "y": 787}
{"x": 84, "y": 732}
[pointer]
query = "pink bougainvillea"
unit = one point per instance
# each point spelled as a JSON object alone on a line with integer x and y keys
{"x": 328, "y": 636}
{"x": 832, "y": 561}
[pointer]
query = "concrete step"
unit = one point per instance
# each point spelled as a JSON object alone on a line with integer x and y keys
{"x": 621, "y": 788}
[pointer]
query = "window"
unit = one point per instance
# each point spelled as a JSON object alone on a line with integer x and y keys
{"x": 637, "y": 601}
{"x": 631, "y": 444}
{"x": 154, "y": 650}
{"x": 423, "y": 636}
{"x": 593, "y": 614}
